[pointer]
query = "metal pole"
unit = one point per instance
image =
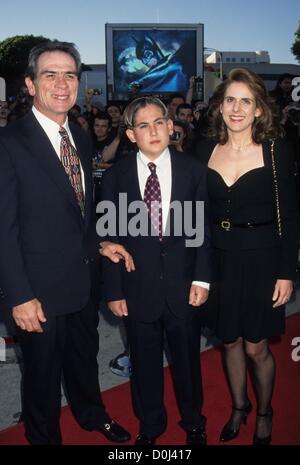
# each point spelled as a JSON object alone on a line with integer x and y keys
{"x": 221, "y": 66}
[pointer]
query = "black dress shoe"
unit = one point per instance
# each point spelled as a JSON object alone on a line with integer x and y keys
{"x": 229, "y": 432}
{"x": 196, "y": 437}
{"x": 142, "y": 440}
{"x": 114, "y": 432}
{"x": 264, "y": 441}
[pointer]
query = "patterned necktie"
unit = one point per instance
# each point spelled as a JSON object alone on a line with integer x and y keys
{"x": 152, "y": 198}
{"x": 70, "y": 162}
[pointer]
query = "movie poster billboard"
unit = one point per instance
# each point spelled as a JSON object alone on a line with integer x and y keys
{"x": 152, "y": 59}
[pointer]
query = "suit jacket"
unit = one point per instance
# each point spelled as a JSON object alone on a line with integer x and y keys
{"x": 164, "y": 269}
{"x": 48, "y": 251}
{"x": 264, "y": 210}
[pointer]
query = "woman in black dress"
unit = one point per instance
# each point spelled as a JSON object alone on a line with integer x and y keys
{"x": 254, "y": 230}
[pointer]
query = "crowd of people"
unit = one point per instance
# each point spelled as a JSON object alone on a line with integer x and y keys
{"x": 239, "y": 156}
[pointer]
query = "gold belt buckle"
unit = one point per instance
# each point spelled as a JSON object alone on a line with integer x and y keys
{"x": 225, "y": 225}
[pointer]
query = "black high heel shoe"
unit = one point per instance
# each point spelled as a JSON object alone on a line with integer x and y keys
{"x": 228, "y": 432}
{"x": 265, "y": 441}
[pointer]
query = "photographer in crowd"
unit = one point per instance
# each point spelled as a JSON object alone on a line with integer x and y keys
{"x": 289, "y": 115}
{"x": 115, "y": 112}
{"x": 281, "y": 94}
{"x": 90, "y": 104}
{"x": 21, "y": 105}
{"x": 178, "y": 138}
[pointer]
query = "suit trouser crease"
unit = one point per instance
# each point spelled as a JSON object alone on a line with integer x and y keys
{"x": 67, "y": 348}
{"x": 146, "y": 346}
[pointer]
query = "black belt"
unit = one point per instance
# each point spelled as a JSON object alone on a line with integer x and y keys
{"x": 227, "y": 225}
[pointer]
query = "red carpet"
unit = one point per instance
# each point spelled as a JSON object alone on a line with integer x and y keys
{"x": 217, "y": 404}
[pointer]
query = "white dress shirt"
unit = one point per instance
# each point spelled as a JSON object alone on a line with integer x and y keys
{"x": 164, "y": 174}
{"x": 51, "y": 128}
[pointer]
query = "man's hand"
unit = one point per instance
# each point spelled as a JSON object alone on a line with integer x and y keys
{"x": 29, "y": 315}
{"x": 116, "y": 252}
{"x": 192, "y": 81}
{"x": 198, "y": 295}
{"x": 118, "y": 307}
{"x": 282, "y": 292}
{"x": 89, "y": 94}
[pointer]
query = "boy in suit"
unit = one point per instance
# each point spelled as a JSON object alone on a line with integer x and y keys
{"x": 170, "y": 280}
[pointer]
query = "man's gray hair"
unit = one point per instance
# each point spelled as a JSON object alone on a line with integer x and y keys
{"x": 141, "y": 102}
{"x": 51, "y": 46}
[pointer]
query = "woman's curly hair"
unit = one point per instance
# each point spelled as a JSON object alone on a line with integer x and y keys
{"x": 265, "y": 126}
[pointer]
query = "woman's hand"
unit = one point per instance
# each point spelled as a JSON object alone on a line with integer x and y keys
{"x": 282, "y": 292}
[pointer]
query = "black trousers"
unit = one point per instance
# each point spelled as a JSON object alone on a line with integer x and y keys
{"x": 146, "y": 352}
{"x": 66, "y": 350}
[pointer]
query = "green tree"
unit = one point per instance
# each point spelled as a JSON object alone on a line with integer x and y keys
{"x": 295, "y": 49}
{"x": 14, "y": 53}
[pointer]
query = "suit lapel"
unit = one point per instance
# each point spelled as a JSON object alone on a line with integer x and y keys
{"x": 179, "y": 175}
{"x": 131, "y": 179}
{"x": 178, "y": 168}
{"x": 41, "y": 148}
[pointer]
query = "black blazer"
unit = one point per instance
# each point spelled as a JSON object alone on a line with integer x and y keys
{"x": 166, "y": 269}
{"x": 261, "y": 209}
{"x": 47, "y": 250}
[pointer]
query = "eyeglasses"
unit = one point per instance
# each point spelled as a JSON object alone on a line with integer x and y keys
{"x": 3, "y": 106}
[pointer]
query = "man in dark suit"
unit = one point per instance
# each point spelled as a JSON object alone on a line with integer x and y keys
{"x": 172, "y": 274}
{"x": 48, "y": 250}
